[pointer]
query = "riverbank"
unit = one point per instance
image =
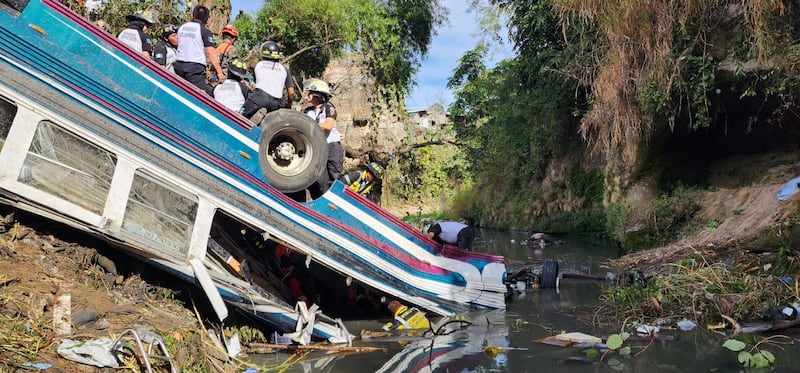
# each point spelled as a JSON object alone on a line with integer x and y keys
{"x": 46, "y": 270}
{"x": 739, "y": 249}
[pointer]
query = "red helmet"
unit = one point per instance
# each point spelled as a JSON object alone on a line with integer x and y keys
{"x": 230, "y": 30}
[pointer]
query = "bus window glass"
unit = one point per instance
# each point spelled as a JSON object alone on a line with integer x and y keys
{"x": 15, "y": 7}
{"x": 159, "y": 213}
{"x": 7, "y": 113}
{"x": 69, "y": 167}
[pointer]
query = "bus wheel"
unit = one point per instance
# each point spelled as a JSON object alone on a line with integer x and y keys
{"x": 292, "y": 151}
{"x": 549, "y": 274}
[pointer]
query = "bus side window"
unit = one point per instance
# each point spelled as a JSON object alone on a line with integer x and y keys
{"x": 8, "y": 111}
{"x": 160, "y": 212}
{"x": 15, "y": 7}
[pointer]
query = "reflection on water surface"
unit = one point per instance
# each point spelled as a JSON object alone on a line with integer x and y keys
{"x": 534, "y": 314}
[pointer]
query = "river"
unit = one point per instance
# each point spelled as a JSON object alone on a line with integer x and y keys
{"x": 535, "y": 314}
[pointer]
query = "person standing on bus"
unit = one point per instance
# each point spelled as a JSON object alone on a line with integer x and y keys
{"x": 234, "y": 90}
{"x": 226, "y": 51}
{"x": 135, "y": 36}
{"x": 165, "y": 53}
{"x": 324, "y": 113}
{"x": 196, "y": 49}
{"x": 272, "y": 78}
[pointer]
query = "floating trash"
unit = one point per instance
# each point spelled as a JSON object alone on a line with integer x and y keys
{"x": 686, "y": 325}
{"x": 647, "y": 330}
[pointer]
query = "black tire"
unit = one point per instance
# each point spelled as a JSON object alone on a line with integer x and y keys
{"x": 549, "y": 274}
{"x": 292, "y": 150}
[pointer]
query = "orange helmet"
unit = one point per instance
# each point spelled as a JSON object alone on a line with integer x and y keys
{"x": 230, "y": 30}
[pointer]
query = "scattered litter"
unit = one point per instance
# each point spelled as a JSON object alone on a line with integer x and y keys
{"x": 95, "y": 352}
{"x": 85, "y": 317}
{"x": 551, "y": 340}
{"x": 647, "y": 330}
{"x": 717, "y": 326}
{"x": 598, "y": 346}
{"x": 369, "y": 334}
{"x": 233, "y": 346}
{"x": 278, "y": 339}
{"x": 686, "y": 325}
{"x": 28, "y": 329}
{"x": 40, "y": 366}
{"x": 492, "y": 351}
{"x": 62, "y": 324}
{"x": 780, "y": 313}
{"x": 578, "y": 337}
{"x": 788, "y": 190}
{"x": 145, "y": 354}
{"x": 767, "y": 266}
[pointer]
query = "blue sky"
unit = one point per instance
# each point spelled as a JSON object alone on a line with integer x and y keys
{"x": 455, "y": 37}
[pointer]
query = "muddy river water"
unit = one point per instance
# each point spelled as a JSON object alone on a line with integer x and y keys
{"x": 535, "y": 314}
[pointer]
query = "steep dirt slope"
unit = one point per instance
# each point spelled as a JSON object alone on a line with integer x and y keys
{"x": 740, "y": 215}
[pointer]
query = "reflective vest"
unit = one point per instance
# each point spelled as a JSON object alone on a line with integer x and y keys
{"x": 361, "y": 185}
{"x": 408, "y": 318}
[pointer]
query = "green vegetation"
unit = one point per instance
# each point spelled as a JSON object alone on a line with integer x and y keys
{"x": 696, "y": 289}
{"x": 621, "y": 76}
{"x": 392, "y": 35}
{"x": 554, "y": 137}
{"x": 667, "y": 217}
{"x": 756, "y": 356}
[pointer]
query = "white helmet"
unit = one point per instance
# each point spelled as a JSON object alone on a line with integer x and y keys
{"x": 318, "y": 86}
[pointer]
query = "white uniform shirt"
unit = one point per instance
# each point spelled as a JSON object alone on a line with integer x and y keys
{"x": 230, "y": 94}
{"x": 191, "y": 46}
{"x": 450, "y": 231}
{"x": 272, "y": 77}
{"x": 319, "y": 114}
{"x": 172, "y": 56}
{"x": 131, "y": 38}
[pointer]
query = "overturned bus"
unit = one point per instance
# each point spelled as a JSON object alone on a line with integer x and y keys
{"x": 96, "y": 136}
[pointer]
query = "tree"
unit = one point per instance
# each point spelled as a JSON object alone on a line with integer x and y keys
{"x": 393, "y": 35}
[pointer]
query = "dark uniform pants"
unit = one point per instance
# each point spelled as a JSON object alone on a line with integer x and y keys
{"x": 465, "y": 237}
{"x": 332, "y": 170}
{"x": 259, "y": 99}
{"x": 194, "y": 73}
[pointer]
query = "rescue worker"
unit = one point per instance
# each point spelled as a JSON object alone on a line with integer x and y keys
{"x": 362, "y": 181}
{"x": 135, "y": 36}
{"x": 271, "y": 79}
{"x": 292, "y": 266}
{"x": 233, "y": 92}
{"x": 226, "y": 50}
{"x": 452, "y": 233}
{"x": 324, "y": 113}
{"x": 93, "y": 8}
{"x": 196, "y": 49}
{"x": 406, "y": 318}
{"x": 165, "y": 53}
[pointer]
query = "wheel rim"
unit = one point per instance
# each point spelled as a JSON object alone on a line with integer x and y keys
{"x": 289, "y": 152}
